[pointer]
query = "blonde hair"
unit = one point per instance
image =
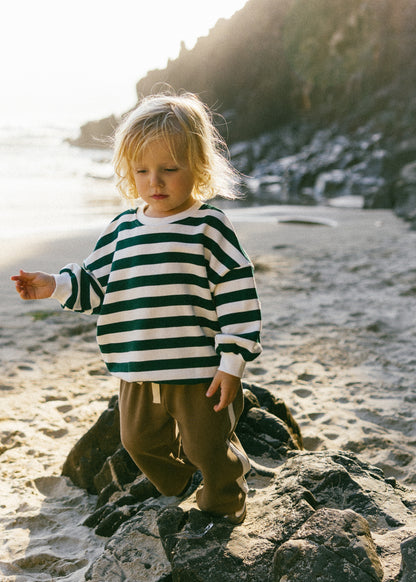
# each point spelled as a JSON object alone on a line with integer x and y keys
{"x": 186, "y": 125}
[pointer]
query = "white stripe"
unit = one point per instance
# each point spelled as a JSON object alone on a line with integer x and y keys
{"x": 156, "y": 312}
{"x": 151, "y": 291}
{"x": 155, "y": 334}
{"x": 167, "y": 355}
{"x": 244, "y": 461}
{"x": 156, "y": 393}
{"x": 237, "y": 307}
{"x": 238, "y": 453}
{"x": 231, "y": 414}
{"x": 169, "y": 375}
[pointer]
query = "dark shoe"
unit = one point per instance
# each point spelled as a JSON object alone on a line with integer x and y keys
{"x": 192, "y": 484}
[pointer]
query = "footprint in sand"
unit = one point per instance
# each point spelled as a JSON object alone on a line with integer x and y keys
{"x": 54, "y": 433}
{"x": 64, "y": 408}
{"x": 258, "y": 371}
{"x": 331, "y": 436}
{"x": 303, "y": 392}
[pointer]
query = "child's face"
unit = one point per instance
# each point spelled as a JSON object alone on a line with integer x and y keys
{"x": 165, "y": 183}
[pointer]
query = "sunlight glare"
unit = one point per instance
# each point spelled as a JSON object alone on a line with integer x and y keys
{"x": 87, "y": 55}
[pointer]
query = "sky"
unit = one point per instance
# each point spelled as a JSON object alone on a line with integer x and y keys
{"x": 80, "y": 59}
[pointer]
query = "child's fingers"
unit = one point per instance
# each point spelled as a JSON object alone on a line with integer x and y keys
{"x": 23, "y": 276}
{"x": 222, "y": 403}
{"x": 215, "y": 384}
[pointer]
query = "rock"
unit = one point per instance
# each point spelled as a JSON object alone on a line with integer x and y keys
{"x": 332, "y": 545}
{"x": 311, "y": 515}
{"x": 405, "y": 193}
{"x": 316, "y": 166}
{"x": 315, "y": 520}
{"x": 96, "y": 134}
{"x": 134, "y": 553}
{"x": 87, "y": 457}
{"x": 408, "y": 567}
{"x": 330, "y": 184}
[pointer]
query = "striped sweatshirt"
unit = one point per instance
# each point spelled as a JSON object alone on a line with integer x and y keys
{"x": 175, "y": 297}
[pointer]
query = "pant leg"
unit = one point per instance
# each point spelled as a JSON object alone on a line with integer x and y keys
{"x": 210, "y": 444}
{"x": 151, "y": 437}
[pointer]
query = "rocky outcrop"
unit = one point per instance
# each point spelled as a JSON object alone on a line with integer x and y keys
{"x": 311, "y": 515}
{"x": 323, "y": 516}
{"x": 299, "y": 164}
{"x": 405, "y": 193}
{"x": 96, "y": 134}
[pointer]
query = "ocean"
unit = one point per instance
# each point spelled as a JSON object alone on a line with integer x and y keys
{"x": 48, "y": 186}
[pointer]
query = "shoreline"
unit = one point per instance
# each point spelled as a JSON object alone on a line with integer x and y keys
{"x": 339, "y": 339}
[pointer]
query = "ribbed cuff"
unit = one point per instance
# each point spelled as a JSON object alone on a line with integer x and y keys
{"x": 233, "y": 364}
{"x": 63, "y": 287}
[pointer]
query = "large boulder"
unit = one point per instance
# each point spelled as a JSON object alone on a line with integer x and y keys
{"x": 321, "y": 516}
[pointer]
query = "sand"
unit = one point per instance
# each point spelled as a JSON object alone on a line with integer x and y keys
{"x": 339, "y": 341}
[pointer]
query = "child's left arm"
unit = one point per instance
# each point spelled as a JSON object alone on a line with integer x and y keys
{"x": 237, "y": 307}
{"x": 229, "y": 386}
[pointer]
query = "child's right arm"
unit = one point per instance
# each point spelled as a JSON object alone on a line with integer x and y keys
{"x": 34, "y": 285}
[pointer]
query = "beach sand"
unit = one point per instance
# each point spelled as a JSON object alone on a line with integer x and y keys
{"x": 339, "y": 340}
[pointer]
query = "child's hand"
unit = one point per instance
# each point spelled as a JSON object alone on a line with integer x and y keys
{"x": 229, "y": 388}
{"x": 34, "y": 285}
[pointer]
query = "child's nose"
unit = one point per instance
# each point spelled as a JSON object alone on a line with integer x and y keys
{"x": 155, "y": 179}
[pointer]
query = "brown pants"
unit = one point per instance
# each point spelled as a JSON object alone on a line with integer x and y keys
{"x": 171, "y": 430}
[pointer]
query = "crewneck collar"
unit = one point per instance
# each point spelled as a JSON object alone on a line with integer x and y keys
{"x": 143, "y": 219}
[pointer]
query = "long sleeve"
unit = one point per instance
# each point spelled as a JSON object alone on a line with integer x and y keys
{"x": 82, "y": 288}
{"x": 236, "y": 300}
{"x": 239, "y": 318}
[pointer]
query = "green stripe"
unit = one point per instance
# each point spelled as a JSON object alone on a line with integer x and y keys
{"x": 155, "y": 302}
{"x": 157, "y": 322}
{"x": 74, "y": 282}
{"x": 235, "y": 349}
{"x": 233, "y": 296}
{"x": 101, "y": 262}
{"x": 155, "y": 365}
{"x": 158, "y": 259}
{"x": 84, "y": 294}
{"x": 214, "y": 222}
{"x": 157, "y": 281}
{"x": 157, "y": 344}
{"x": 242, "y": 273}
{"x": 124, "y": 225}
{"x": 158, "y": 238}
{"x": 237, "y": 318}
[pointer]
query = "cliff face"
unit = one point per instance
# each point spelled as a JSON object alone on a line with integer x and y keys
{"x": 276, "y": 60}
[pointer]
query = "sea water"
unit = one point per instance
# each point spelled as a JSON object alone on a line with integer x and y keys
{"x": 48, "y": 186}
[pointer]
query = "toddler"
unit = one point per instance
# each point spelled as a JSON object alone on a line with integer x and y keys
{"x": 178, "y": 312}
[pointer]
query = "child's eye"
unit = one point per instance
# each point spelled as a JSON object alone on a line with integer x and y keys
{"x": 171, "y": 169}
{"x": 139, "y": 171}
